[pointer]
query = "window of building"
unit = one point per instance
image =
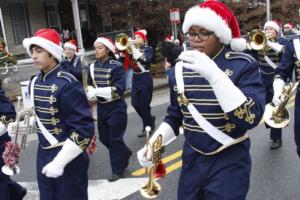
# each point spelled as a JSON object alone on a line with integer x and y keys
{"x": 18, "y": 12}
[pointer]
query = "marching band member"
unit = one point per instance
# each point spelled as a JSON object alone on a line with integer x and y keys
{"x": 290, "y": 61}
{"x": 288, "y": 30}
{"x": 217, "y": 95}
{"x": 71, "y": 62}
{"x": 268, "y": 60}
{"x": 142, "y": 82}
{"x": 108, "y": 79}
{"x": 63, "y": 118}
{"x": 9, "y": 189}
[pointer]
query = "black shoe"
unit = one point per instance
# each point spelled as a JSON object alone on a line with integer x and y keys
{"x": 276, "y": 144}
{"x": 114, "y": 177}
{"x": 142, "y": 134}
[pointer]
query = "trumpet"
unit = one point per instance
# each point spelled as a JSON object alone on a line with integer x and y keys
{"x": 14, "y": 148}
{"x": 260, "y": 41}
{"x": 123, "y": 42}
{"x": 152, "y": 189}
{"x": 278, "y": 117}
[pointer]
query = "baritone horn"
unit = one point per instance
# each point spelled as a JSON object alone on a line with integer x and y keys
{"x": 278, "y": 116}
{"x": 14, "y": 147}
{"x": 152, "y": 189}
{"x": 123, "y": 42}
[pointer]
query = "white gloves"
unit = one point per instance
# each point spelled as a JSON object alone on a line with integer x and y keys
{"x": 12, "y": 127}
{"x": 136, "y": 54}
{"x": 3, "y": 129}
{"x": 275, "y": 46}
{"x": 229, "y": 96}
{"x": 278, "y": 86}
{"x": 93, "y": 93}
{"x": 168, "y": 136}
{"x": 56, "y": 167}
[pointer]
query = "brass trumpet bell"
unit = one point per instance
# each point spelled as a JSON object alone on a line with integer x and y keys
{"x": 152, "y": 189}
{"x": 276, "y": 119}
{"x": 278, "y": 116}
{"x": 259, "y": 40}
{"x": 123, "y": 42}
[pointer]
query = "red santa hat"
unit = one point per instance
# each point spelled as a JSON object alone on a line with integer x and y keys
{"x": 47, "y": 39}
{"x": 72, "y": 44}
{"x": 142, "y": 33}
{"x": 274, "y": 24}
{"x": 289, "y": 25}
{"x": 215, "y": 16}
{"x": 106, "y": 42}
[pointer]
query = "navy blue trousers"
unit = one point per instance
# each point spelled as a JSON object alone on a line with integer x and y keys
{"x": 141, "y": 96}
{"x": 72, "y": 185}
{"x": 111, "y": 133}
{"x": 225, "y": 175}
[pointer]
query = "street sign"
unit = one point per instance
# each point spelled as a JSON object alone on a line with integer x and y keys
{"x": 174, "y": 15}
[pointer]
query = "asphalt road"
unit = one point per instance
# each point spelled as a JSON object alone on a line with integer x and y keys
{"x": 275, "y": 173}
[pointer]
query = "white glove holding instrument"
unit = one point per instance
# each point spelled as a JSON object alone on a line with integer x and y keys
{"x": 56, "y": 167}
{"x": 136, "y": 54}
{"x": 168, "y": 136}
{"x": 229, "y": 96}
{"x": 3, "y": 129}
{"x": 93, "y": 93}
{"x": 278, "y": 86}
{"x": 12, "y": 127}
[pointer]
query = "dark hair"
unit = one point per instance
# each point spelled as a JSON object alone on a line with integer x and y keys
{"x": 37, "y": 46}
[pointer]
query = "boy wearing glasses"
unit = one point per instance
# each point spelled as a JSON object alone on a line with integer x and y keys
{"x": 217, "y": 95}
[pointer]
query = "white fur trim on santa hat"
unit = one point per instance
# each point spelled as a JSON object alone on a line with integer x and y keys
{"x": 106, "y": 43}
{"x": 208, "y": 19}
{"x": 52, "y": 48}
{"x": 70, "y": 45}
{"x": 273, "y": 25}
{"x": 238, "y": 44}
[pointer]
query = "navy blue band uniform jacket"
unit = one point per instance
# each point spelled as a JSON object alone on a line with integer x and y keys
{"x": 62, "y": 107}
{"x": 73, "y": 67}
{"x": 243, "y": 70}
{"x": 110, "y": 73}
{"x": 289, "y": 64}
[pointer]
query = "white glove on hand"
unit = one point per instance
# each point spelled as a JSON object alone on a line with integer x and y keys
{"x": 3, "y": 129}
{"x": 136, "y": 54}
{"x": 12, "y": 127}
{"x": 105, "y": 92}
{"x": 56, "y": 167}
{"x": 168, "y": 136}
{"x": 229, "y": 98}
{"x": 278, "y": 86}
{"x": 91, "y": 94}
{"x": 202, "y": 64}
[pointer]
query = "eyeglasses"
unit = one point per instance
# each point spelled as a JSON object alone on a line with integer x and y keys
{"x": 202, "y": 35}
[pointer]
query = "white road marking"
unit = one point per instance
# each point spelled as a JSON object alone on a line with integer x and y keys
{"x": 98, "y": 189}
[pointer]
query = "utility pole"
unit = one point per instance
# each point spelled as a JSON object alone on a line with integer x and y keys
{"x": 77, "y": 25}
{"x": 268, "y": 10}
